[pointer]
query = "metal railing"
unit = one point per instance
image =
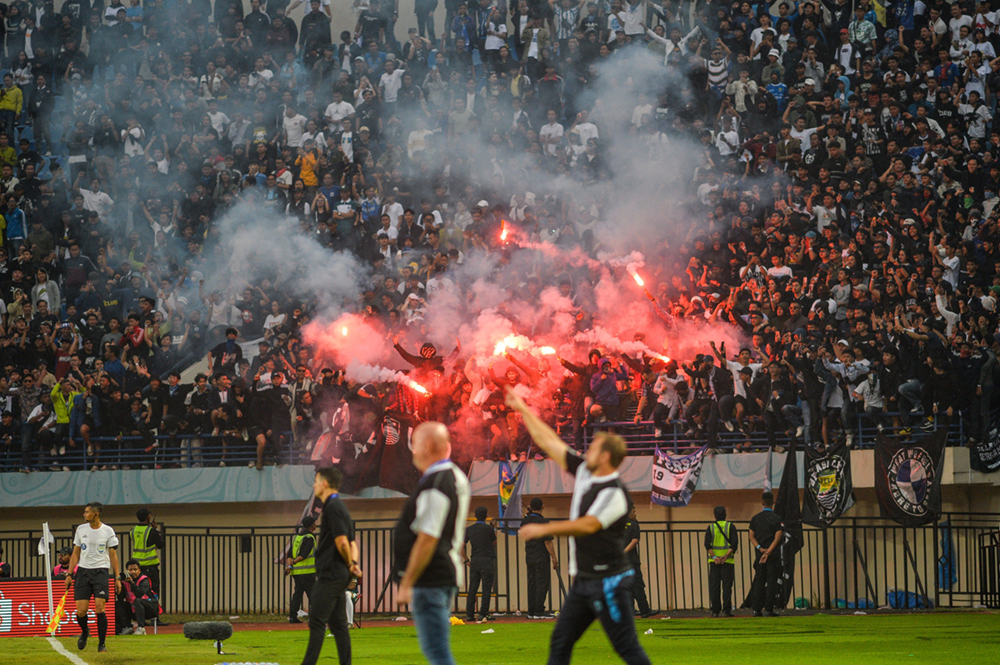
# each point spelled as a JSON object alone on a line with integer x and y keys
{"x": 857, "y": 562}
{"x": 641, "y": 438}
{"x": 172, "y": 451}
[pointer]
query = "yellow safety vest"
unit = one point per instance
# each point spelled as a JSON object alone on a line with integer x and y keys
{"x": 142, "y": 551}
{"x": 719, "y": 543}
{"x": 308, "y": 565}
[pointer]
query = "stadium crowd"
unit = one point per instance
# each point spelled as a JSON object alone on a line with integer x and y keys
{"x": 835, "y": 177}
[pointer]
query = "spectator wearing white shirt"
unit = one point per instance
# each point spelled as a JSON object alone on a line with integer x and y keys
{"x": 294, "y": 127}
{"x": 337, "y": 110}
{"x": 551, "y": 133}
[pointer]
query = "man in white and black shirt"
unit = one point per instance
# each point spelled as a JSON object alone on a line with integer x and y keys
{"x": 598, "y": 514}
{"x": 430, "y": 535}
{"x": 94, "y": 551}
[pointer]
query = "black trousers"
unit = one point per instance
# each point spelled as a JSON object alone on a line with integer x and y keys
{"x": 765, "y": 589}
{"x": 302, "y": 584}
{"x": 328, "y": 607}
{"x": 720, "y": 586}
{"x": 144, "y": 610}
{"x": 607, "y": 599}
{"x": 639, "y": 591}
{"x": 539, "y": 582}
{"x": 480, "y": 570}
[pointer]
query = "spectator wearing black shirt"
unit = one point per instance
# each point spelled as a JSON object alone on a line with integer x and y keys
{"x": 337, "y": 559}
{"x": 482, "y": 565}
{"x": 766, "y": 534}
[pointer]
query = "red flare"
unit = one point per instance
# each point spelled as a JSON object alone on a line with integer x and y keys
{"x": 547, "y": 351}
{"x": 638, "y": 280}
{"x": 503, "y": 230}
{"x": 343, "y": 331}
{"x": 417, "y": 387}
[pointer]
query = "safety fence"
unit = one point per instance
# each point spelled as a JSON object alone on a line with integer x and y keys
{"x": 642, "y": 439}
{"x": 185, "y": 451}
{"x": 857, "y": 562}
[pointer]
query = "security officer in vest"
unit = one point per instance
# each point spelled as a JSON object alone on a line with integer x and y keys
{"x": 302, "y": 565}
{"x": 632, "y": 533}
{"x": 146, "y": 539}
{"x": 721, "y": 540}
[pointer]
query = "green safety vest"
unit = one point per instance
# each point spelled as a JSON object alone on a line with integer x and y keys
{"x": 308, "y": 565}
{"x": 142, "y": 551}
{"x": 719, "y": 543}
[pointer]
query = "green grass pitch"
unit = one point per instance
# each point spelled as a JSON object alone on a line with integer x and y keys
{"x": 826, "y": 639}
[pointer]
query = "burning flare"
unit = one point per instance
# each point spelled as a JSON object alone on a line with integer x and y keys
{"x": 417, "y": 387}
{"x": 343, "y": 331}
{"x": 547, "y": 351}
{"x": 503, "y": 230}
{"x": 638, "y": 280}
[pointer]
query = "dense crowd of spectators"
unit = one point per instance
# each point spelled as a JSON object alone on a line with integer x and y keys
{"x": 835, "y": 162}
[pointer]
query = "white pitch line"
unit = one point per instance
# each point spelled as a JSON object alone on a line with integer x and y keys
{"x": 60, "y": 649}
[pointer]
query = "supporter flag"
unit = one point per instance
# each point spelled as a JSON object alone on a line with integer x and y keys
{"x": 908, "y": 478}
{"x": 786, "y": 505}
{"x": 879, "y": 12}
{"x": 509, "y": 491}
{"x": 829, "y": 488}
{"x": 985, "y": 455}
{"x": 675, "y": 477}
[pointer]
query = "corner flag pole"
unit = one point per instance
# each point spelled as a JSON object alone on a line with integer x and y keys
{"x": 46, "y": 550}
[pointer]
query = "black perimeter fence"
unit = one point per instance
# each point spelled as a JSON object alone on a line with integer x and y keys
{"x": 857, "y": 562}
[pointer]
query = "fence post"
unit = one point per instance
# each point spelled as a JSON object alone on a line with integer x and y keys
{"x": 937, "y": 559}
{"x": 826, "y": 571}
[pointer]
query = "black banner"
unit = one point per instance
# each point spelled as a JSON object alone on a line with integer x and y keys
{"x": 908, "y": 478}
{"x": 985, "y": 455}
{"x": 787, "y": 506}
{"x": 829, "y": 488}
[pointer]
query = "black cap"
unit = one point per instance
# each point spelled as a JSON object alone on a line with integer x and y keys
{"x": 308, "y": 521}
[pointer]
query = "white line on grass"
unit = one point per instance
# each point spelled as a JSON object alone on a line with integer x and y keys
{"x": 60, "y": 649}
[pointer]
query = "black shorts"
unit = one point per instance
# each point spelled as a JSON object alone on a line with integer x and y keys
{"x": 90, "y": 582}
{"x": 254, "y": 432}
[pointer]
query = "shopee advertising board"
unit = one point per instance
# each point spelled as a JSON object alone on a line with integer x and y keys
{"x": 24, "y": 609}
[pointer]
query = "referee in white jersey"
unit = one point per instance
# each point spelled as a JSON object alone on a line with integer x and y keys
{"x": 94, "y": 550}
{"x": 603, "y": 576}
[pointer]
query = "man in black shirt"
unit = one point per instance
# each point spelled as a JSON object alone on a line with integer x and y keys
{"x": 632, "y": 533}
{"x": 336, "y": 562}
{"x": 429, "y": 535}
{"x": 766, "y": 534}
{"x": 482, "y": 565}
{"x": 603, "y": 577}
{"x": 537, "y": 555}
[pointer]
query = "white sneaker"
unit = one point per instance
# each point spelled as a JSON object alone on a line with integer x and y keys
{"x": 799, "y": 430}
{"x": 139, "y": 631}
{"x": 850, "y": 440}
{"x": 90, "y": 451}
{"x": 729, "y": 425}
{"x": 657, "y": 433}
{"x": 62, "y": 450}
{"x": 302, "y": 615}
{"x": 53, "y": 451}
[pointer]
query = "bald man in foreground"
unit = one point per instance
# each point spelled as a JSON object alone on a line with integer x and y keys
{"x": 430, "y": 535}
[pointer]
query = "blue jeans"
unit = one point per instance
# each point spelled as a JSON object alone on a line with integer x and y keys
{"x": 431, "y": 614}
